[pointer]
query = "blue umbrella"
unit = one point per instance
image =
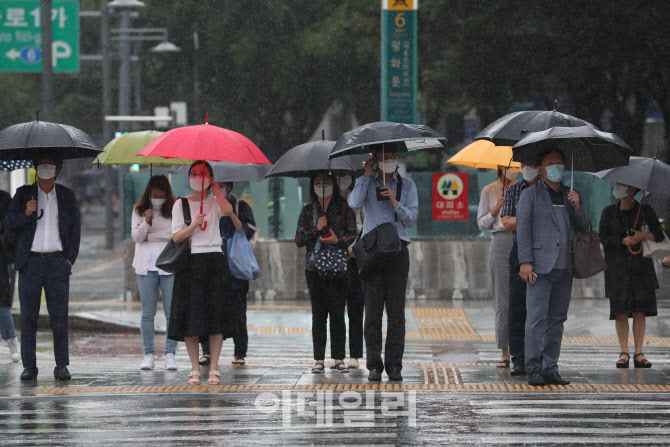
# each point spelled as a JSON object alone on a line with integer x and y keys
{"x": 11, "y": 165}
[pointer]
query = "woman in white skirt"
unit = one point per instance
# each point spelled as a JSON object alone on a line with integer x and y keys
{"x": 488, "y": 218}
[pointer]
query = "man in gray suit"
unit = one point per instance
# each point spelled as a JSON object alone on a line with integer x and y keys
{"x": 548, "y": 215}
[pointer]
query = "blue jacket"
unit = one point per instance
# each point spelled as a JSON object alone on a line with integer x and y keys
{"x": 69, "y": 222}
{"x": 537, "y": 232}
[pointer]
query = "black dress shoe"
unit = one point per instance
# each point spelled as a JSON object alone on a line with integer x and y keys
{"x": 375, "y": 375}
{"x": 61, "y": 373}
{"x": 519, "y": 369}
{"x": 555, "y": 379}
{"x": 29, "y": 374}
{"x": 536, "y": 379}
{"x": 394, "y": 375}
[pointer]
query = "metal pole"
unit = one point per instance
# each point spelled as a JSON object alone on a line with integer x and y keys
{"x": 137, "y": 81}
{"x": 110, "y": 178}
{"x": 196, "y": 78}
{"x": 124, "y": 68}
{"x": 47, "y": 67}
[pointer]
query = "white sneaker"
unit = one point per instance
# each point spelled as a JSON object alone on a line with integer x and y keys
{"x": 353, "y": 363}
{"x": 15, "y": 349}
{"x": 148, "y": 362}
{"x": 170, "y": 362}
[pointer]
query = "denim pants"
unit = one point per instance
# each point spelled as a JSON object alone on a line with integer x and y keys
{"x": 547, "y": 303}
{"x": 7, "y": 324}
{"x": 148, "y": 285}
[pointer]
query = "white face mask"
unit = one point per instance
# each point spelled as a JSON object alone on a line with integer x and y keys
{"x": 157, "y": 203}
{"x": 345, "y": 181}
{"x": 388, "y": 166}
{"x": 511, "y": 173}
{"x": 529, "y": 173}
{"x": 196, "y": 184}
{"x": 620, "y": 191}
{"x": 46, "y": 171}
{"x": 323, "y": 190}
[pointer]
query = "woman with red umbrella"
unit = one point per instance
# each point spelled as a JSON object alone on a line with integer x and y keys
{"x": 199, "y": 304}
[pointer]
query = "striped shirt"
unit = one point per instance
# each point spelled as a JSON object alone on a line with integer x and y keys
{"x": 512, "y": 196}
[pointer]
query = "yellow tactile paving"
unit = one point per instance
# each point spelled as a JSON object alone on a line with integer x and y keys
{"x": 664, "y": 341}
{"x": 444, "y": 324}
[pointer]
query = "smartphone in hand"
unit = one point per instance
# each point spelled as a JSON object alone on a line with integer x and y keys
{"x": 534, "y": 275}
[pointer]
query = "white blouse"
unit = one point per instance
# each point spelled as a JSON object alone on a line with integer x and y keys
{"x": 208, "y": 241}
{"x": 150, "y": 240}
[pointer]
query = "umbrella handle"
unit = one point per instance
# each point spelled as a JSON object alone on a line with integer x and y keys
{"x": 41, "y": 215}
{"x": 630, "y": 249}
{"x": 203, "y": 226}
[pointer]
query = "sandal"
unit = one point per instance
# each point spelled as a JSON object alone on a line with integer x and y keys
{"x": 503, "y": 364}
{"x": 214, "y": 378}
{"x": 623, "y": 363}
{"x": 644, "y": 363}
{"x": 341, "y": 367}
{"x": 316, "y": 369}
{"x": 205, "y": 360}
{"x": 239, "y": 362}
{"x": 194, "y": 378}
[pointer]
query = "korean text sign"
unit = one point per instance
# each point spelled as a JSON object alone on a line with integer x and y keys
{"x": 450, "y": 196}
{"x": 21, "y": 35}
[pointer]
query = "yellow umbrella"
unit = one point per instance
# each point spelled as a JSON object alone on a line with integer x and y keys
{"x": 123, "y": 150}
{"x": 484, "y": 154}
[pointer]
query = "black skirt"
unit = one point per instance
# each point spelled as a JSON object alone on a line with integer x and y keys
{"x": 200, "y": 298}
{"x": 634, "y": 298}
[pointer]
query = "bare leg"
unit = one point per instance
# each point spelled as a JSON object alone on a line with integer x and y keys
{"x": 639, "y": 328}
{"x": 621, "y": 324}
{"x": 193, "y": 349}
{"x": 505, "y": 356}
{"x": 215, "y": 344}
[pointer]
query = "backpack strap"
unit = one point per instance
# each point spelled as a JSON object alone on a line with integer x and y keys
{"x": 186, "y": 209}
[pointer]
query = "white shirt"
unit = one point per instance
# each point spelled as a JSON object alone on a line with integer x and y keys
{"x": 488, "y": 201}
{"x": 208, "y": 241}
{"x": 150, "y": 240}
{"x": 47, "y": 236}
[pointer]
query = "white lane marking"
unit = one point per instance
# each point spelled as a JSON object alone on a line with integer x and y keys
{"x": 552, "y": 402}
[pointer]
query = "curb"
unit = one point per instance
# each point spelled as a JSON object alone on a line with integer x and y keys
{"x": 85, "y": 322}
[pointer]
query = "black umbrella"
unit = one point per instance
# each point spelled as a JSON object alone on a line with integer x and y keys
{"x": 660, "y": 204}
{"x": 511, "y": 128}
{"x": 648, "y": 174}
{"x": 309, "y": 158}
{"x": 27, "y": 141}
{"x": 387, "y": 136}
{"x": 585, "y": 148}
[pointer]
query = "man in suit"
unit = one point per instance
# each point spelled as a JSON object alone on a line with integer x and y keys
{"x": 47, "y": 218}
{"x": 548, "y": 215}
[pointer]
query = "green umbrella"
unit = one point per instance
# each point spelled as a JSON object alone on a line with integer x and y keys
{"x": 123, "y": 150}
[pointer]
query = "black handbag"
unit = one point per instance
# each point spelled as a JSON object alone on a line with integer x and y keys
{"x": 328, "y": 261}
{"x": 381, "y": 242}
{"x": 174, "y": 257}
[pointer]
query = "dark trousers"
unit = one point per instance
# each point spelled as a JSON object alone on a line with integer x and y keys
{"x": 238, "y": 306}
{"x": 52, "y": 274}
{"x": 328, "y": 300}
{"x": 386, "y": 286}
{"x": 517, "y": 309}
{"x": 355, "y": 308}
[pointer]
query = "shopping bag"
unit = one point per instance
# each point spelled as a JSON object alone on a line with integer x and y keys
{"x": 241, "y": 259}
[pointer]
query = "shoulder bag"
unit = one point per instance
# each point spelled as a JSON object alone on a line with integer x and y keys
{"x": 379, "y": 243}
{"x": 587, "y": 258}
{"x": 653, "y": 249}
{"x": 329, "y": 261}
{"x": 174, "y": 257}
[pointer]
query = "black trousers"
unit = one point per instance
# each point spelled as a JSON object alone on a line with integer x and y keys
{"x": 52, "y": 274}
{"x": 237, "y": 299}
{"x": 387, "y": 286}
{"x": 517, "y": 309}
{"x": 355, "y": 308}
{"x": 328, "y": 300}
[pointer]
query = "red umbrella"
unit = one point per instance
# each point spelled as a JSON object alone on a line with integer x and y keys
{"x": 205, "y": 142}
